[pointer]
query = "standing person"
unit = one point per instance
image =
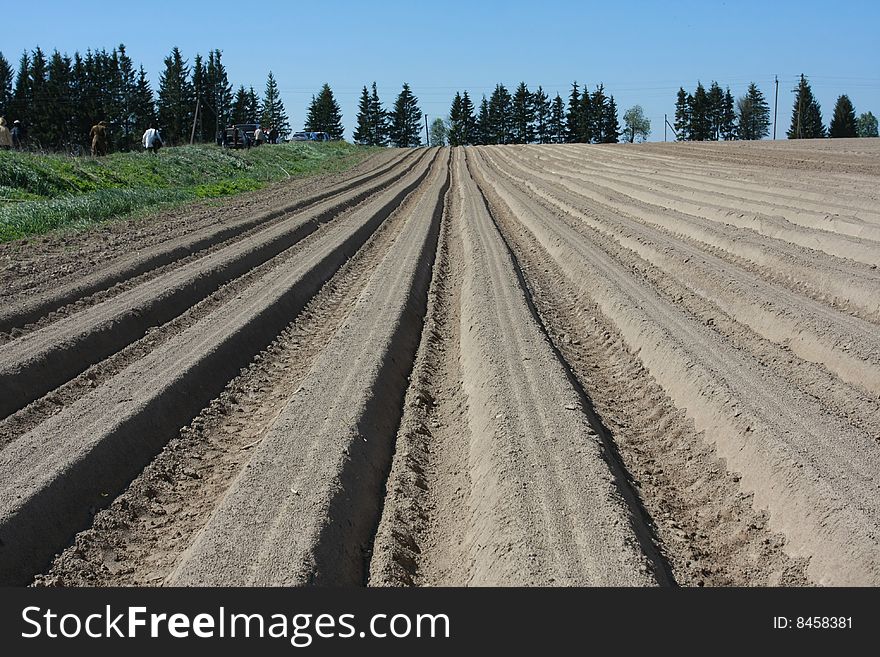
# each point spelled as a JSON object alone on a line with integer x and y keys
{"x": 98, "y": 135}
{"x": 273, "y": 135}
{"x": 258, "y": 136}
{"x": 152, "y": 140}
{"x": 16, "y": 134}
{"x": 5, "y": 135}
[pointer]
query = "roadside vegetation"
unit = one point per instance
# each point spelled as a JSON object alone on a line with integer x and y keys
{"x": 40, "y": 193}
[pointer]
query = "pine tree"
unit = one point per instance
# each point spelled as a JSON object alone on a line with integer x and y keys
{"x": 176, "y": 99}
{"x": 557, "y": 121}
{"x": 483, "y": 121}
{"x": 324, "y": 115}
{"x": 6, "y": 76}
{"x": 843, "y": 123}
{"x": 753, "y": 114}
{"x": 363, "y": 133}
{"x": 522, "y": 116}
{"x": 378, "y": 119}
{"x": 682, "y": 115}
{"x": 806, "y": 115}
{"x": 611, "y": 125}
{"x": 728, "y": 117}
{"x": 273, "y": 113}
{"x": 406, "y": 120}
{"x": 573, "y": 125}
{"x": 468, "y": 119}
{"x": 541, "y": 104}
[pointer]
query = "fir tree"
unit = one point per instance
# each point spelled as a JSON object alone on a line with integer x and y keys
{"x": 682, "y": 115}
{"x": 143, "y": 109}
{"x": 716, "y": 110}
{"x": 324, "y": 114}
{"x": 522, "y": 116}
{"x": 273, "y": 113}
{"x": 39, "y": 100}
{"x": 806, "y": 115}
{"x": 56, "y": 126}
{"x": 176, "y": 99}
{"x": 406, "y": 120}
{"x": 557, "y": 121}
{"x": 253, "y": 106}
{"x": 573, "y": 128}
{"x": 597, "y": 120}
{"x": 843, "y": 122}
{"x": 199, "y": 78}
{"x": 589, "y": 117}
{"x": 728, "y": 117}
{"x": 541, "y": 104}
{"x": 218, "y": 95}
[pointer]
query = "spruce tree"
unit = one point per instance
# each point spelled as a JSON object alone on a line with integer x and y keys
{"x": 483, "y": 123}
{"x": 728, "y": 117}
{"x": 700, "y": 118}
{"x": 6, "y": 76}
{"x": 611, "y": 125}
{"x": 378, "y": 119}
{"x": 273, "y": 113}
{"x": 806, "y": 115}
{"x": 199, "y": 77}
{"x": 573, "y": 124}
{"x": 253, "y": 106}
{"x": 541, "y": 103}
{"x": 843, "y": 122}
{"x": 456, "y": 132}
{"x": 176, "y": 102}
{"x": 143, "y": 107}
{"x": 716, "y": 110}
{"x": 588, "y": 119}
{"x": 128, "y": 134}
{"x": 468, "y": 119}
{"x": 597, "y": 120}
{"x": 500, "y": 116}
{"x": 240, "y": 106}
{"x": 39, "y": 96}
{"x": 682, "y": 115}
{"x": 557, "y": 121}
{"x": 753, "y": 114}
{"x": 57, "y": 128}
{"x": 522, "y": 116}
{"x": 363, "y": 132}
{"x": 406, "y": 120}
{"x": 324, "y": 114}
{"x": 218, "y": 93}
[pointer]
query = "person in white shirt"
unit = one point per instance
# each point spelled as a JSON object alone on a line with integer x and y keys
{"x": 152, "y": 140}
{"x": 259, "y": 137}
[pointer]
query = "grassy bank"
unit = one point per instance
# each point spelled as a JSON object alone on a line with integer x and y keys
{"x": 41, "y": 193}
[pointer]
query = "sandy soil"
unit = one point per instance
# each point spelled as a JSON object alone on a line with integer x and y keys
{"x": 542, "y": 365}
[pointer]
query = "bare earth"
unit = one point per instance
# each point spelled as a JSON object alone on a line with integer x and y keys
{"x": 519, "y": 365}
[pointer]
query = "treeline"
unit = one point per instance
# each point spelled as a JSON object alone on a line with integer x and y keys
{"x": 712, "y": 115}
{"x": 58, "y": 98}
{"x": 401, "y": 126}
{"x": 532, "y": 117}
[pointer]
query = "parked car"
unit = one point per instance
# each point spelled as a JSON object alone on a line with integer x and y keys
{"x": 240, "y": 135}
{"x": 310, "y": 136}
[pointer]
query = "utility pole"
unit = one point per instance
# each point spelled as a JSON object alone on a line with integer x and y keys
{"x": 664, "y": 127}
{"x": 427, "y": 136}
{"x": 192, "y": 135}
{"x": 775, "y": 107}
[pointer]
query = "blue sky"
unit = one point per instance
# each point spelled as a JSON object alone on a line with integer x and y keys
{"x": 641, "y": 51}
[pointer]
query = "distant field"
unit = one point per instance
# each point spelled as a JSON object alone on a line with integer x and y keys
{"x": 41, "y": 193}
